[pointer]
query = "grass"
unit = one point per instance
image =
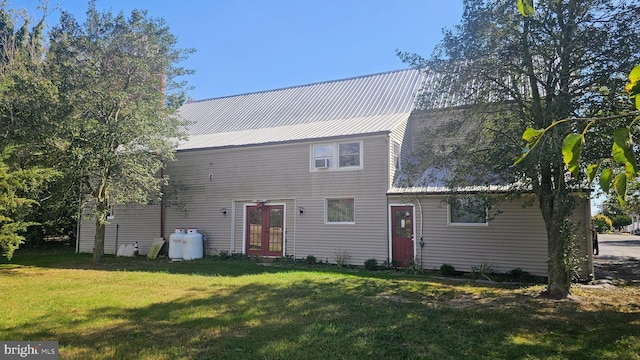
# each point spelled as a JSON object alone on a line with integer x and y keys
{"x": 214, "y": 309}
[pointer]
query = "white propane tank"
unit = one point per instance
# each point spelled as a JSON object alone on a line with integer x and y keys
{"x": 192, "y": 245}
{"x": 175, "y": 244}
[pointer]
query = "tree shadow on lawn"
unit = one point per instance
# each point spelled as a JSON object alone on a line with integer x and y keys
{"x": 340, "y": 318}
{"x": 66, "y": 259}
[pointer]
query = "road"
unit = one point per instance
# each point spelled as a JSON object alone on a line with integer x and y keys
{"x": 619, "y": 259}
{"x": 619, "y": 245}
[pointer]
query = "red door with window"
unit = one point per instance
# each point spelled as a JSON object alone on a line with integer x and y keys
{"x": 265, "y": 230}
{"x": 402, "y": 235}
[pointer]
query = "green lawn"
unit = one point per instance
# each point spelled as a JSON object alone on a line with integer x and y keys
{"x": 214, "y": 309}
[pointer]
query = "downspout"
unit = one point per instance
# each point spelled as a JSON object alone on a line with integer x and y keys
{"x": 295, "y": 222}
{"x": 233, "y": 227}
{"x": 79, "y": 219}
{"x": 162, "y": 204}
{"x": 421, "y": 242}
{"x": 388, "y": 185}
{"x": 78, "y": 229}
{"x": 115, "y": 249}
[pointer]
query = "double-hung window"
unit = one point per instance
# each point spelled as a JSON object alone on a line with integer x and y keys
{"x": 336, "y": 156}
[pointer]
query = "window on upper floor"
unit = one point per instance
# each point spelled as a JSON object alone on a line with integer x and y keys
{"x": 396, "y": 155}
{"x": 336, "y": 156}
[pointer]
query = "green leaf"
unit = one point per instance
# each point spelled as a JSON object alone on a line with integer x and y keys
{"x": 622, "y": 151}
{"x": 532, "y": 135}
{"x": 605, "y": 179}
{"x": 634, "y": 75}
{"x": 633, "y": 87}
{"x": 571, "y": 149}
{"x": 592, "y": 171}
{"x": 620, "y": 184}
{"x": 526, "y": 7}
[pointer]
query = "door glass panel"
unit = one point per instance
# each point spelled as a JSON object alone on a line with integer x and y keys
{"x": 403, "y": 224}
{"x": 255, "y": 229}
{"x": 275, "y": 229}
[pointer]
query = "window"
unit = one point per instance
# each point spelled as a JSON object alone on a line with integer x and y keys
{"x": 396, "y": 155}
{"x": 111, "y": 212}
{"x": 340, "y": 211}
{"x": 322, "y": 156}
{"x": 336, "y": 156}
{"x": 467, "y": 211}
{"x": 349, "y": 154}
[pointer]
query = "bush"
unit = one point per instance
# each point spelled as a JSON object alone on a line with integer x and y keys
{"x": 341, "y": 257}
{"x": 484, "y": 271}
{"x": 371, "y": 264}
{"x": 620, "y": 221}
{"x": 602, "y": 223}
{"x": 223, "y": 255}
{"x": 447, "y": 270}
{"x": 311, "y": 260}
{"x": 520, "y": 275}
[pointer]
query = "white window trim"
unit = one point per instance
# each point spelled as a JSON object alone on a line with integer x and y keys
{"x": 111, "y": 215}
{"x": 398, "y": 155}
{"x": 326, "y": 210}
{"x": 450, "y": 223}
{"x": 335, "y": 166}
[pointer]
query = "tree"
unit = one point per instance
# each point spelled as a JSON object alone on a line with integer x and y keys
{"x": 17, "y": 188}
{"x": 620, "y": 221}
{"x": 569, "y": 59}
{"x": 119, "y": 90}
{"x": 27, "y": 108}
{"x": 602, "y": 223}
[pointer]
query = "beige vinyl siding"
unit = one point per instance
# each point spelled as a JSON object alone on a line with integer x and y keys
{"x": 135, "y": 223}
{"x": 401, "y": 135}
{"x": 515, "y": 238}
{"x": 230, "y": 178}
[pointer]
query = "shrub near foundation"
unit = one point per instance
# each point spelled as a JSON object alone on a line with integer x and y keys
{"x": 447, "y": 270}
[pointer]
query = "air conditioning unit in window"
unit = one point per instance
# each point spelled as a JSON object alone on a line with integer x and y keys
{"x": 322, "y": 163}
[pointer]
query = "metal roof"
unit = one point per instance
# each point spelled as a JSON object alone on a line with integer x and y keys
{"x": 359, "y": 105}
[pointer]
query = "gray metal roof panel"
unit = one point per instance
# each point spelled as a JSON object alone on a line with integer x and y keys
{"x": 295, "y": 132}
{"x": 340, "y": 100}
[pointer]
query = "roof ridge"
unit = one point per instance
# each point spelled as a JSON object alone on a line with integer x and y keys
{"x": 304, "y": 85}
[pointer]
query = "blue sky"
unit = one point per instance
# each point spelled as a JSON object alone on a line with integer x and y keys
{"x": 254, "y": 45}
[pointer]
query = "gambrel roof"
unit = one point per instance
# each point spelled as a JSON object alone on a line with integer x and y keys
{"x": 355, "y": 106}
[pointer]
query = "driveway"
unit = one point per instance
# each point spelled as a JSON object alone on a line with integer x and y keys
{"x": 619, "y": 258}
{"x": 619, "y": 245}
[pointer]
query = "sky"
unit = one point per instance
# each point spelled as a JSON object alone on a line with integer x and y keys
{"x": 245, "y": 46}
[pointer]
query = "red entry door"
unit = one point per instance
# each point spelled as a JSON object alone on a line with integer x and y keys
{"x": 402, "y": 235}
{"x": 265, "y": 230}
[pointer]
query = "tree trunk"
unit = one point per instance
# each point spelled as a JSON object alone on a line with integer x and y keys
{"x": 555, "y": 206}
{"x": 101, "y": 217}
{"x": 559, "y": 282}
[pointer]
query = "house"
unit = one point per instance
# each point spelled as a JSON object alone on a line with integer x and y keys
{"x": 310, "y": 170}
